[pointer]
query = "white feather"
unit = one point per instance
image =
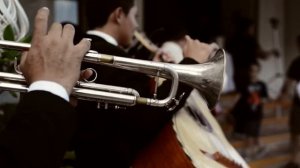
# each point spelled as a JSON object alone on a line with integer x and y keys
{"x": 12, "y": 13}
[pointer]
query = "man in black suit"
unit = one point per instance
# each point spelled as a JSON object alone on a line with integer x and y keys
{"x": 39, "y": 133}
{"x": 109, "y": 137}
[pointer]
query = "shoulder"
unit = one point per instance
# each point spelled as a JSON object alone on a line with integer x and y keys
{"x": 100, "y": 45}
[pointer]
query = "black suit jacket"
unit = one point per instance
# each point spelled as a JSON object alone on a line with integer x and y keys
{"x": 39, "y": 133}
{"x": 111, "y": 138}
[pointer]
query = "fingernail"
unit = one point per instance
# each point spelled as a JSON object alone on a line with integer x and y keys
{"x": 187, "y": 36}
{"x": 89, "y": 39}
{"x": 45, "y": 8}
{"x": 44, "y": 11}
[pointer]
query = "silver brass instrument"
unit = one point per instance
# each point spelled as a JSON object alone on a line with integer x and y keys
{"x": 84, "y": 91}
{"x": 206, "y": 77}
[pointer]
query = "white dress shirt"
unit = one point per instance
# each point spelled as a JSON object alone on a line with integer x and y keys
{"x": 110, "y": 39}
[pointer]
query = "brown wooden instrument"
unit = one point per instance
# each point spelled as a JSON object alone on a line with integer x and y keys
{"x": 182, "y": 142}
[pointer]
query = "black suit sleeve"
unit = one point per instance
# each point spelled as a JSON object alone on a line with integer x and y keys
{"x": 39, "y": 132}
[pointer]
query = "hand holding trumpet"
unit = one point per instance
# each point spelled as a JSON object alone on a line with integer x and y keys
{"x": 53, "y": 54}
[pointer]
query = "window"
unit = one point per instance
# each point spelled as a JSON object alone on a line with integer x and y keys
{"x": 66, "y": 11}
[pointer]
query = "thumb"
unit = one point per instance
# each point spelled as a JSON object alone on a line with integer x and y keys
{"x": 86, "y": 74}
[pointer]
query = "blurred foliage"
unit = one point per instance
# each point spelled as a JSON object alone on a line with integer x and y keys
{"x": 7, "y": 57}
{"x": 8, "y": 33}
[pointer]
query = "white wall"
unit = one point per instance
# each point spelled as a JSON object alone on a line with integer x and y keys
{"x": 287, "y": 11}
{"x": 267, "y": 10}
{"x": 31, "y": 7}
{"x": 273, "y": 68}
{"x": 66, "y": 11}
{"x": 140, "y": 5}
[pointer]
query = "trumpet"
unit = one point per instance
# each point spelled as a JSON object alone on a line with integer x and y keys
{"x": 206, "y": 77}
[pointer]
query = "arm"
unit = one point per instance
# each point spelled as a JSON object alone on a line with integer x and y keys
{"x": 38, "y": 134}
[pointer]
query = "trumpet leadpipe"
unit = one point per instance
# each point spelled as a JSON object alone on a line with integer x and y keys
{"x": 11, "y": 45}
{"x": 108, "y": 88}
{"x": 83, "y": 91}
{"x": 83, "y": 94}
{"x": 93, "y": 86}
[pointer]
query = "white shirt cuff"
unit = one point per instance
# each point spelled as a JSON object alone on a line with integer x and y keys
{"x": 51, "y": 87}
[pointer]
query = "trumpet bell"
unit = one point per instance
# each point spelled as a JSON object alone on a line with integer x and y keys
{"x": 207, "y": 78}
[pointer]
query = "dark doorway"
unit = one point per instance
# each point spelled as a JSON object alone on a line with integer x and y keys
{"x": 201, "y": 18}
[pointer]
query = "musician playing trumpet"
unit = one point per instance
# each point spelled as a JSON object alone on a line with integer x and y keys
{"x": 109, "y": 137}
